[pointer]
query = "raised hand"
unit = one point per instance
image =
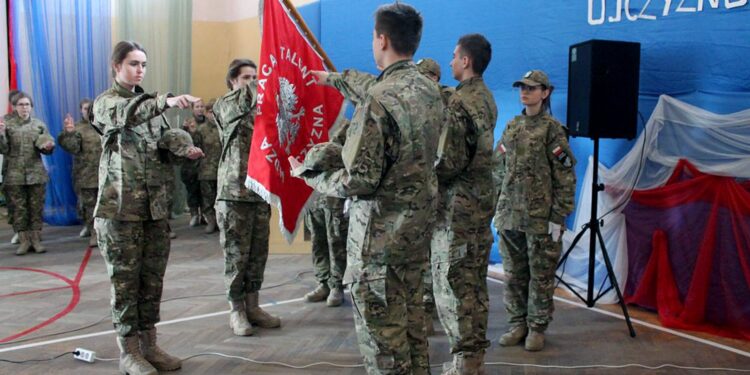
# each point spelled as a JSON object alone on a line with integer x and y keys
{"x": 68, "y": 124}
{"x": 2, "y": 126}
{"x": 321, "y": 76}
{"x": 195, "y": 153}
{"x": 182, "y": 101}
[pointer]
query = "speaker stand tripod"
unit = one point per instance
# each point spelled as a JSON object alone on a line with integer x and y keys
{"x": 594, "y": 228}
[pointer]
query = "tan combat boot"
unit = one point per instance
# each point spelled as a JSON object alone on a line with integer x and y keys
{"x": 36, "y": 241}
{"x": 257, "y": 316}
{"x": 514, "y": 336}
{"x": 15, "y": 240}
{"x": 172, "y": 235}
{"x": 154, "y": 355}
{"x": 534, "y": 341}
{"x": 93, "y": 239}
{"x": 238, "y": 319}
{"x": 465, "y": 363}
{"x": 195, "y": 219}
{"x": 335, "y": 298}
{"x": 319, "y": 294}
{"x": 131, "y": 359}
{"x": 210, "y": 224}
{"x": 25, "y": 244}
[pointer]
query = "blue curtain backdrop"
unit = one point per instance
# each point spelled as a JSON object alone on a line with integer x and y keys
{"x": 692, "y": 50}
{"x": 63, "y": 51}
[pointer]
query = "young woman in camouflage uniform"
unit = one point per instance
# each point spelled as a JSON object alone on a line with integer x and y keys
{"x": 132, "y": 209}
{"x": 537, "y": 184}
{"x": 23, "y": 140}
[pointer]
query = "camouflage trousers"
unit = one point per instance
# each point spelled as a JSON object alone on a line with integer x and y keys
{"x": 136, "y": 253}
{"x": 244, "y": 230}
{"x": 389, "y": 318}
{"x": 429, "y": 295}
{"x": 208, "y": 197}
{"x": 529, "y": 262}
{"x": 26, "y": 205}
{"x": 86, "y": 204}
{"x": 328, "y": 236}
{"x": 459, "y": 269}
{"x": 193, "y": 188}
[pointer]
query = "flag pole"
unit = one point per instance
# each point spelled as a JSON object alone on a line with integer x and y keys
{"x": 308, "y": 34}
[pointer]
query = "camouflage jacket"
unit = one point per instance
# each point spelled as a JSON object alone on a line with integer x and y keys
{"x": 535, "y": 175}
{"x": 189, "y": 168}
{"x": 352, "y": 84}
{"x": 235, "y": 118}
{"x": 465, "y": 157}
{"x": 21, "y": 144}
{"x": 207, "y": 138}
{"x": 135, "y": 167}
{"x": 86, "y": 146}
{"x": 388, "y": 158}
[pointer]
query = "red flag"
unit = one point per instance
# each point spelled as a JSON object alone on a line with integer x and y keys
{"x": 293, "y": 114}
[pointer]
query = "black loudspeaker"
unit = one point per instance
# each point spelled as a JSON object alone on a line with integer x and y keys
{"x": 603, "y": 89}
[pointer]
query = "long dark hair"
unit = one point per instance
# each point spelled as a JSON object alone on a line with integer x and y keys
{"x": 121, "y": 50}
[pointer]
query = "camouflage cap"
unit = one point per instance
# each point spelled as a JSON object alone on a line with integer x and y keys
{"x": 533, "y": 78}
{"x": 430, "y": 66}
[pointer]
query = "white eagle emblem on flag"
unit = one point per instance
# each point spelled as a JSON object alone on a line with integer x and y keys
{"x": 287, "y": 122}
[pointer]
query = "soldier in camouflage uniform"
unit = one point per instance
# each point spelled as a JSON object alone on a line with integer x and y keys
{"x": 328, "y": 226}
{"x": 23, "y": 140}
{"x": 131, "y": 211}
{"x": 388, "y": 174}
{"x": 85, "y": 144}
{"x": 189, "y": 168}
{"x": 462, "y": 237}
{"x": 431, "y": 69}
{"x": 243, "y": 217}
{"x": 206, "y": 136}
{"x": 7, "y": 118}
{"x": 537, "y": 185}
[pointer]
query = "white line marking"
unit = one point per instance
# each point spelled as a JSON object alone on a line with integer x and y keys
{"x": 647, "y": 324}
{"x": 168, "y": 322}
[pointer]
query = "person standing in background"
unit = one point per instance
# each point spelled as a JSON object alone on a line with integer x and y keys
{"x": 536, "y": 181}
{"x": 206, "y": 136}
{"x": 189, "y": 168}
{"x": 23, "y": 141}
{"x": 85, "y": 144}
{"x": 243, "y": 217}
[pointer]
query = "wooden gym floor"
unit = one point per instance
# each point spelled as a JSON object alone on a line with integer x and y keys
{"x": 56, "y": 302}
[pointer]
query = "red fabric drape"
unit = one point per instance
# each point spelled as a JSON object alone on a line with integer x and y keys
{"x": 689, "y": 252}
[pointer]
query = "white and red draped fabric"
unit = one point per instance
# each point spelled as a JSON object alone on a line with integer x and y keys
{"x": 293, "y": 114}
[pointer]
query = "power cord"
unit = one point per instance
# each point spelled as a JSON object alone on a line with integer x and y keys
{"x": 36, "y": 360}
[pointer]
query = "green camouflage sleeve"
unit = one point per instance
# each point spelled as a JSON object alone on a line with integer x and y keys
{"x": 498, "y": 173}
{"x": 112, "y": 114}
{"x": 363, "y": 156}
{"x": 177, "y": 141}
{"x": 70, "y": 141}
{"x": 563, "y": 174}
{"x": 352, "y": 84}
{"x": 4, "y": 146}
{"x": 456, "y": 141}
{"x": 44, "y": 137}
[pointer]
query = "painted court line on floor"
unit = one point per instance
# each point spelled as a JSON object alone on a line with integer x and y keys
{"x": 647, "y": 324}
{"x": 580, "y": 305}
{"x": 103, "y": 333}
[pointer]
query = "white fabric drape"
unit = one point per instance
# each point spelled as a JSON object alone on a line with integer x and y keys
{"x": 714, "y": 143}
